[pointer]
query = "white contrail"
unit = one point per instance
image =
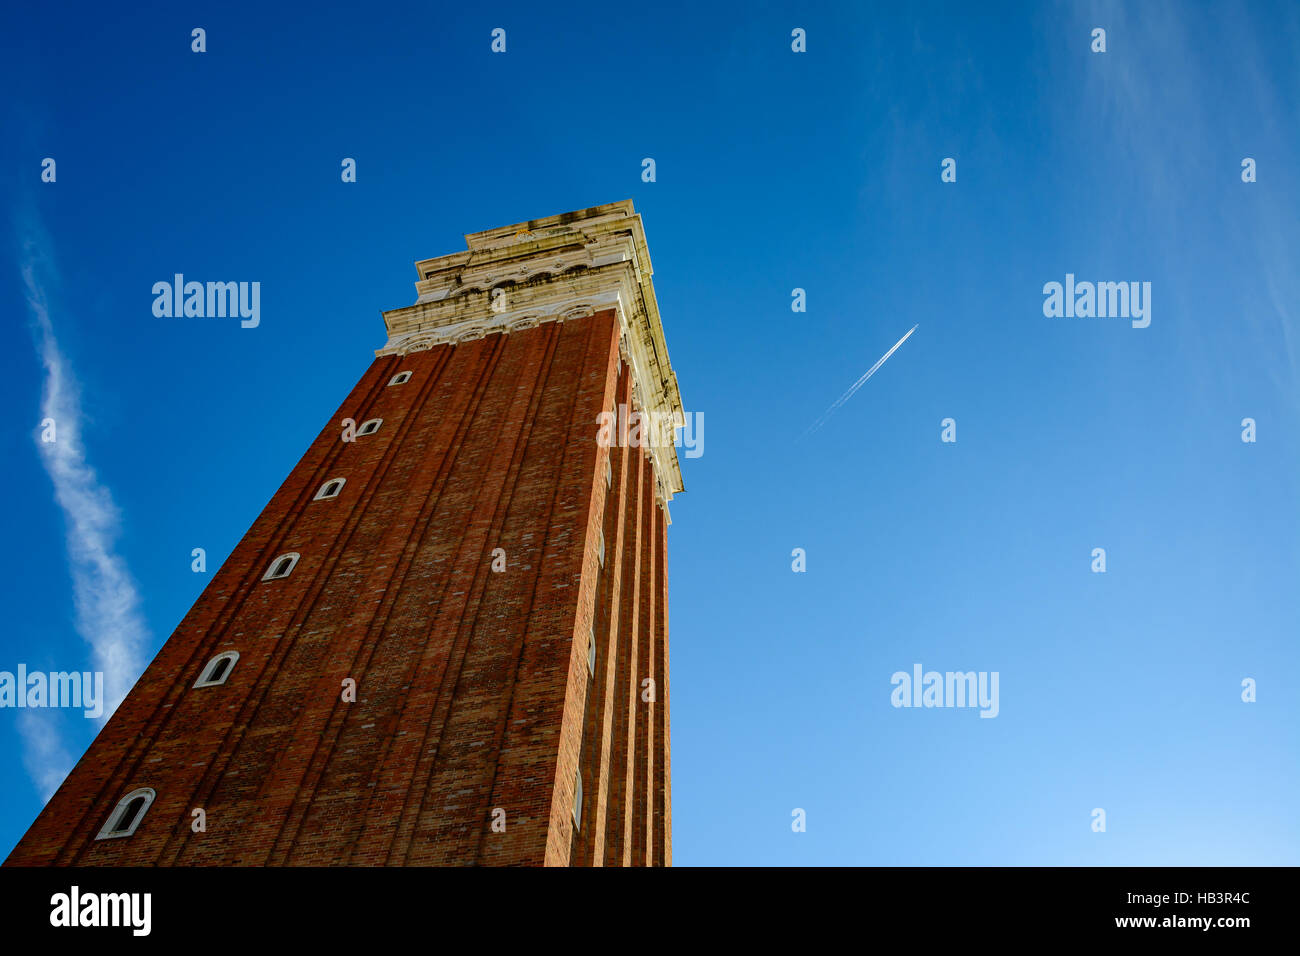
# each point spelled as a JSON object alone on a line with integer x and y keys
{"x": 858, "y": 384}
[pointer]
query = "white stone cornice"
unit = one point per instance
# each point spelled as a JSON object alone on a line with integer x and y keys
{"x": 549, "y": 270}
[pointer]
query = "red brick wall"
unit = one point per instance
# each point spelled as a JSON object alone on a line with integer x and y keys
{"x": 623, "y": 651}
{"x": 472, "y": 685}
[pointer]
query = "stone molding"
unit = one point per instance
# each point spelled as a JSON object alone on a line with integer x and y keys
{"x": 551, "y": 270}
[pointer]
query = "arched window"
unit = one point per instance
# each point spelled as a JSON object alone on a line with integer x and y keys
{"x": 370, "y": 427}
{"x": 609, "y": 473}
{"x": 217, "y": 670}
{"x": 330, "y": 489}
{"x": 591, "y": 653}
{"x": 577, "y": 800}
{"x": 128, "y": 813}
{"x": 600, "y": 546}
{"x": 281, "y": 566}
{"x": 401, "y": 378}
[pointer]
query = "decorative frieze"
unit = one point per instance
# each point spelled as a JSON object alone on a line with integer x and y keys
{"x": 551, "y": 270}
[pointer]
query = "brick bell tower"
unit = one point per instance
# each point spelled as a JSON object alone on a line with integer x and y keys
{"x": 444, "y": 642}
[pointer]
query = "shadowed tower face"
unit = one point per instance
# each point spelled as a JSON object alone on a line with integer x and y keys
{"x": 445, "y": 640}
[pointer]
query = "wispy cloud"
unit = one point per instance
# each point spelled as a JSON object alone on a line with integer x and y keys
{"x": 44, "y": 755}
{"x": 1170, "y": 108}
{"x": 106, "y": 601}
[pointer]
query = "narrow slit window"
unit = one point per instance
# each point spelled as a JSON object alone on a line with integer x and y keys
{"x": 591, "y": 653}
{"x": 330, "y": 489}
{"x": 126, "y": 816}
{"x": 370, "y": 427}
{"x": 217, "y": 670}
{"x": 577, "y": 800}
{"x": 609, "y": 473}
{"x": 401, "y": 378}
{"x": 282, "y": 566}
{"x": 600, "y": 546}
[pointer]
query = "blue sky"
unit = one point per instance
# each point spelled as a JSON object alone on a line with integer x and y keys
{"x": 775, "y": 171}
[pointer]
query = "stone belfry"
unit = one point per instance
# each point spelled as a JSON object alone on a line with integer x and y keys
{"x": 444, "y": 641}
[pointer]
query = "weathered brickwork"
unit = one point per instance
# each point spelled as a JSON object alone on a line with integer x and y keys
{"x": 473, "y": 686}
